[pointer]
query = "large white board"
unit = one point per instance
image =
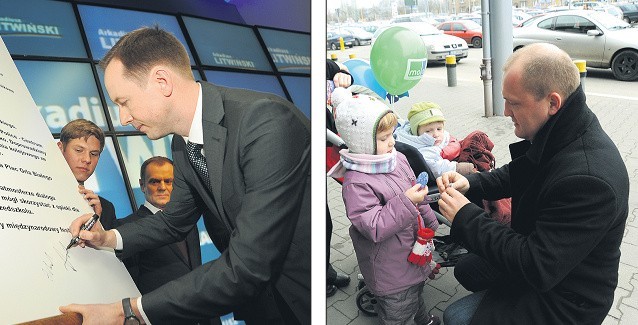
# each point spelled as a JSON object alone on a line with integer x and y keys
{"x": 38, "y": 200}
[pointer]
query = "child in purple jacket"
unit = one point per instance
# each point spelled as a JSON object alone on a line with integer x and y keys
{"x": 383, "y": 205}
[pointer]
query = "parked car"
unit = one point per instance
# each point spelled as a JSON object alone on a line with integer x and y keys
{"x": 519, "y": 16}
{"x": 370, "y": 27}
{"x": 597, "y": 37}
{"x": 612, "y": 10}
{"x": 468, "y": 30}
{"x": 629, "y": 11}
{"x": 360, "y": 35}
{"x": 416, "y": 17}
{"x": 332, "y": 40}
{"x": 438, "y": 44}
{"x": 476, "y": 19}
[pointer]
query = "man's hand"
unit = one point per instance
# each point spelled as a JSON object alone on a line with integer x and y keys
{"x": 451, "y": 202}
{"x": 92, "y": 199}
{"x": 96, "y": 237}
{"x": 416, "y": 194}
{"x": 454, "y": 180}
{"x": 98, "y": 314}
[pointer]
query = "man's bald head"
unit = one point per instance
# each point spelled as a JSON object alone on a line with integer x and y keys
{"x": 544, "y": 68}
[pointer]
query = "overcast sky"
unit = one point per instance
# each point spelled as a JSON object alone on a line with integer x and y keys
{"x": 332, "y": 4}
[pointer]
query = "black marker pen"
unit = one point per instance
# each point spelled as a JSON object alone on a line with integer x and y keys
{"x": 87, "y": 226}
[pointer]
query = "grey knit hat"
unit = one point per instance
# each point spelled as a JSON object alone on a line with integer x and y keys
{"x": 357, "y": 118}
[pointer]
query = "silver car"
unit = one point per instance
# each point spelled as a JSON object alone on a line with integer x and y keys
{"x": 597, "y": 37}
{"x": 438, "y": 44}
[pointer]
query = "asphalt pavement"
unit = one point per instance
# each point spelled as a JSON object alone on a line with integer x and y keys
{"x": 464, "y": 111}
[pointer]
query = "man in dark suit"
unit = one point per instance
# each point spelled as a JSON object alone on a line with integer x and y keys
{"x": 153, "y": 268}
{"x": 81, "y": 143}
{"x": 254, "y": 191}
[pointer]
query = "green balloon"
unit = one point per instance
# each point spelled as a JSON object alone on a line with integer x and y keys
{"x": 398, "y": 59}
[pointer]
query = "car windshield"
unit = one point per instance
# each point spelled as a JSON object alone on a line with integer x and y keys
{"x": 471, "y": 24}
{"x": 608, "y": 21}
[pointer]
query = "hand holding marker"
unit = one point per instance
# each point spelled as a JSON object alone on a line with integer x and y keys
{"x": 87, "y": 226}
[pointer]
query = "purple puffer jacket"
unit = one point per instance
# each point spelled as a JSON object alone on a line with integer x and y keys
{"x": 384, "y": 226}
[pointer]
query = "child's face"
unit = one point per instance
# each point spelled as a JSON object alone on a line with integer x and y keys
{"x": 434, "y": 129}
{"x": 385, "y": 142}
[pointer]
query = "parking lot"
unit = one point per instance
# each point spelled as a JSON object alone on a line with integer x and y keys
{"x": 614, "y": 102}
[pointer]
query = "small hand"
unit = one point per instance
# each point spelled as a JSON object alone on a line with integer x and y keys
{"x": 435, "y": 271}
{"x": 92, "y": 199}
{"x": 416, "y": 193}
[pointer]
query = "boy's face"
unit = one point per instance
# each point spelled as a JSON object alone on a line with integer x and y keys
{"x": 434, "y": 129}
{"x": 82, "y": 156}
{"x": 385, "y": 142}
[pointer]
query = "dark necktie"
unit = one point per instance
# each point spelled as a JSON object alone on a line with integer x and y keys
{"x": 194, "y": 151}
{"x": 183, "y": 248}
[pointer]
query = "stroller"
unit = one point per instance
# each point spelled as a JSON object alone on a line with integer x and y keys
{"x": 448, "y": 252}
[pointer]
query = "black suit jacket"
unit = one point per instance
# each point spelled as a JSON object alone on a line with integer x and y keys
{"x": 107, "y": 219}
{"x": 152, "y": 269}
{"x": 257, "y": 148}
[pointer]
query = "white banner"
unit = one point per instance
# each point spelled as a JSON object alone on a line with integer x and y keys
{"x": 38, "y": 200}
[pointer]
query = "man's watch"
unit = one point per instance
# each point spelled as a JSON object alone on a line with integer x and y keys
{"x": 129, "y": 315}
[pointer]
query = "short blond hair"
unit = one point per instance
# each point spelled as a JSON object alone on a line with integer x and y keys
{"x": 387, "y": 122}
{"x": 81, "y": 129}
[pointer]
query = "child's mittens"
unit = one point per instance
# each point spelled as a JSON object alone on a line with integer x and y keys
{"x": 435, "y": 268}
{"x": 465, "y": 168}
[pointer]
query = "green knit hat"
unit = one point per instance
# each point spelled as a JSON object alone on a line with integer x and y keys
{"x": 424, "y": 113}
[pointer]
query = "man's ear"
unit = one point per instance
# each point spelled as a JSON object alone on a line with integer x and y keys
{"x": 555, "y": 103}
{"x": 142, "y": 186}
{"x": 61, "y": 145}
{"x": 164, "y": 80}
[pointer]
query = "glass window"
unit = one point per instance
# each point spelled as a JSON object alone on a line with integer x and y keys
{"x": 566, "y": 24}
{"x": 52, "y": 30}
{"x": 546, "y": 24}
{"x": 446, "y": 27}
{"x": 584, "y": 24}
{"x": 67, "y": 91}
{"x": 226, "y": 45}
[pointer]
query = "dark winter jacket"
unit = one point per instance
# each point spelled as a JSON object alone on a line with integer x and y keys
{"x": 570, "y": 191}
